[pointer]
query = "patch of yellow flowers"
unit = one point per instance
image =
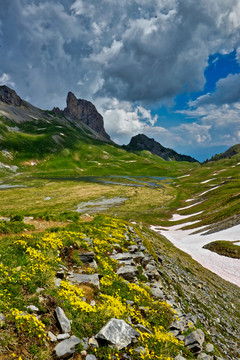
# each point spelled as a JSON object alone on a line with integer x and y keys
{"x": 29, "y": 324}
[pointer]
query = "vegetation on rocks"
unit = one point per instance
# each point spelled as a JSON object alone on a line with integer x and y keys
{"x": 225, "y": 248}
{"x": 34, "y": 261}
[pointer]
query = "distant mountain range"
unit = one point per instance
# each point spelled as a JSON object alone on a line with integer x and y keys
{"x": 24, "y": 118}
{"x": 228, "y": 154}
{"x": 27, "y": 130}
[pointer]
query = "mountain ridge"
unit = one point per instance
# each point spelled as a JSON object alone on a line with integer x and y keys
{"x": 142, "y": 142}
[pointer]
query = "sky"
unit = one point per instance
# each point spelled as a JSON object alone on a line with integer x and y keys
{"x": 167, "y": 68}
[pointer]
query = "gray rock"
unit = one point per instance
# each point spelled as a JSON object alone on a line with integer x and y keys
{"x": 204, "y": 356}
{"x": 84, "y": 278}
{"x": 142, "y": 248}
{"x": 209, "y": 348}
{"x": 51, "y": 336}
{"x": 179, "y": 357}
{"x": 91, "y": 357}
{"x": 66, "y": 347}
{"x": 93, "y": 342}
{"x": 62, "y": 320}
{"x": 194, "y": 341}
{"x": 57, "y": 282}
{"x": 146, "y": 260}
{"x": 130, "y": 302}
{"x": 127, "y": 262}
{"x": 93, "y": 264}
{"x": 85, "y": 111}
{"x": 87, "y": 257}
{"x": 117, "y": 333}
{"x": 63, "y": 336}
{"x": 84, "y": 342}
{"x": 128, "y": 272}
{"x": 157, "y": 292}
{"x": 179, "y": 325}
{"x": 138, "y": 256}
{"x": 133, "y": 248}
{"x": 122, "y": 256}
{"x": 83, "y": 353}
{"x": 2, "y": 317}
{"x": 153, "y": 274}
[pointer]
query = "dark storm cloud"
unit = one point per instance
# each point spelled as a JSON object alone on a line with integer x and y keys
{"x": 132, "y": 50}
{"x": 227, "y": 92}
{"x": 125, "y": 56}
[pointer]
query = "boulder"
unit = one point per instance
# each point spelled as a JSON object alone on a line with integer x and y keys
{"x": 122, "y": 256}
{"x": 138, "y": 256}
{"x": 157, "y": 292}
{"x": 133, "y": 248}
{"x": 128, "y": 272}
{"x": 62, "y": 319}
{"x": 117, "y": 333}
{"x": 63, "y": 336}
{"x": 209, "y": 348}
{"x": 66, "y": 347}
{"x": 84, "y": 278}
{"x": 204, "y": 356}
{"x": 194, "y": 341}
{"x": 91, "y": 357}
{"x": 51, "y": 336}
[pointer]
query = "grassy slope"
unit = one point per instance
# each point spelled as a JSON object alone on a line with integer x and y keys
{"x": 144, "y": 205}
{"x": 60, "y": 149}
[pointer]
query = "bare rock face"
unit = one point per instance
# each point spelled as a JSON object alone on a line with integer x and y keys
{"x": 85, "y": 111}
{"x": 9, "y": 96}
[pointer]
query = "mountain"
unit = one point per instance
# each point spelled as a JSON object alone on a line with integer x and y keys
{"x": 69, "y": 142}
{"x": 142, "y": 142}
{"x": 84, "y": 111}
{"x": 228, "y": 154}
{"x": 78, "y": 112}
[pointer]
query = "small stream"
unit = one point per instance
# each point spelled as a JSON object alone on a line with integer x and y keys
{"x": 100, "y": 204}
{"x": 123, "y": 180}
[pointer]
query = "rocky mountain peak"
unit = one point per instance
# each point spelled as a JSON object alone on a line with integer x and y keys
{"x": 85, "y": 111}
{"x": 142, "y": 142}
{"x": 9, "y": 96}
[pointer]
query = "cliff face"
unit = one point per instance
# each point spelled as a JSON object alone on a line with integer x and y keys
{"x": 142, "y": 142}
{"x": 85, "y": 111}
{"x": 9, "y": 96}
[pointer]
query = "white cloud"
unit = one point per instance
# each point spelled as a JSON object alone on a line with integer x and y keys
{"x": 123, "y": 120}
{"x": 142, "y": 53}
{"x": 5, "y": 79}
{"x": 227, "y": 92}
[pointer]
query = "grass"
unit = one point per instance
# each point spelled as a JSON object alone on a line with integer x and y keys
{"x": 225, "y": 248}
{"x": 30, "y": 261}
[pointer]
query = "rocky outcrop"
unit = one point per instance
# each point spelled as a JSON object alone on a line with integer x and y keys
{"x": 117, "y": 333}
{"x": 85, "y": 111}
{"x": 63, "y": 321}
{"x": 66, "y": 347}
{"x": 142, "y": 142}
{"x": 9, "y": 96}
